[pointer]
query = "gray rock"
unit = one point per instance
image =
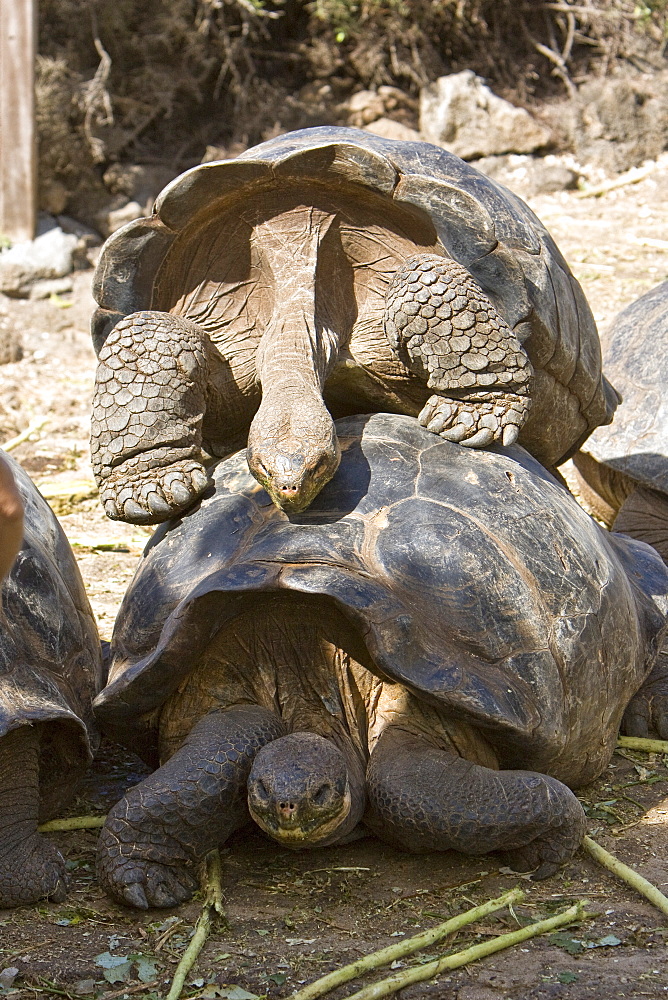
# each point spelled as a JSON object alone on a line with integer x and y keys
{"x": 619, "y": 122}
{"x": 460, "y": 113}
{"x": 387, "y": 128}
{"x": 530, "y": 175}
{"x": 46, "y": 257}
{"x": 51, "y": 286}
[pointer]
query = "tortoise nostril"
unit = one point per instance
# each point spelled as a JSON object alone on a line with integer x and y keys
{"x": 288, "y": 807}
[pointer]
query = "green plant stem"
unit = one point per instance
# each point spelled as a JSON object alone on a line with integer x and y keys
{"x": 422, "y": 972}
{"x": 213, "y": 904}
{"x": 73, "y": 823}
{"x": 639, "y": 743}
{"x": 387, "y": 955}
{"x": 629, "y": 875}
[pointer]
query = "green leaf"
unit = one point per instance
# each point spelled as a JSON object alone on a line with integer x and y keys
{"x": 565, "y": 941}
{"x": 108, "y": 961}
{"x": 568, "y": 977}
{"x": 278, "y": 978}
{"x": 119, "y": 974}
{"x": 147, "y": 968}
{"x": 609, "y": 941}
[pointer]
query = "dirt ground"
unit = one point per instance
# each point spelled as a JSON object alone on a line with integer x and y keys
{"x": 293, "y": 916}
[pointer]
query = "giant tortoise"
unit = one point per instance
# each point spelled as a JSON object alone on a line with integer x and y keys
{"x": 435, "y": 623}
{"x": 50, "y": 669}
{"x": 622, "y": 473}
{"x": 625, "y": 465}
{"x": 324, "y": 273}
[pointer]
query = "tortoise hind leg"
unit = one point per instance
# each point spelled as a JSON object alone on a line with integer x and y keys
{"x": 148, "y": 409}
{"x": 157, "y": 832}
{"x": 425, "y": 799}
{"x": 441, "y": 324}
{"x": 31, "y": 868}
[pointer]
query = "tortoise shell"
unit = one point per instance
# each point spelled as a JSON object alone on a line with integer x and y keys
{"x": 475, "y": 580}
{"x": 636, "y": 358}
{"x": 50, "y": 655}
{"x": 181, "y": 260}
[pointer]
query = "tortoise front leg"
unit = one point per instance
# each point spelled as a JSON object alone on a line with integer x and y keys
{"x": 424, "y": 799}
{"x": 148, "y": 409}
{"x": 31, "y": 868}
{"x": 441, "y": 325}
{"x": 154, "y": 836}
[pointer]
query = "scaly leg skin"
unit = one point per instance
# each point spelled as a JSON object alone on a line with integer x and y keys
{"x": 161, "y": 828}
{"x": 648, "y": 709}
{"x": 31, "y": 868}
{"x": 422, "y": 798}
{"x": 148, "y": 409}
{"x": 441, "y": 324}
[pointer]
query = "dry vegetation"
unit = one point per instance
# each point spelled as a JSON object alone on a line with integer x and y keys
{"x": 159, "y": 82}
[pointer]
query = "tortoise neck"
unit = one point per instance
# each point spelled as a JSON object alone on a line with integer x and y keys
{"x": 296, "y": 351}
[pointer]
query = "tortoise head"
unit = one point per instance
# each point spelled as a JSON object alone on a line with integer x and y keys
{"x": 299, "y": 792}
{"x": 294, "y": 451}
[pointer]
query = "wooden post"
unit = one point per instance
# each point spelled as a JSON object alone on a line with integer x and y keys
{"x": 18, "y": 153}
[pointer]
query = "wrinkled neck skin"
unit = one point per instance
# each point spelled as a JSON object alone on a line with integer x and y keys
{"x": 292, "y": 446}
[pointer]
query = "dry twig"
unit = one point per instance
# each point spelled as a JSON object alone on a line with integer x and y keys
{"x": 390, "y": 954}
{"x": 213, "y": 904}
{"x": 629, "y": 875}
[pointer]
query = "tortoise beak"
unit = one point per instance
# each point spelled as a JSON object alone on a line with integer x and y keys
{"x": 293, "y": 480}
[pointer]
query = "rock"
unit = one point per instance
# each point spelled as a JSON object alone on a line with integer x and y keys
{"x": 11, "y": 344}
{"x": 389, "y": 129}
{"x": 46, "y": 257}
{"x": 619, "y": 122}
{"x": 52, "y": 286}
{"x": 138, "y": 182}
{"x": 119, "y": 212}
{"x": 367, "y": 106}
{"x": 530, "y": 175}
{"x": 88, "y": 242}
{"x": 460, "y": 113}
{"x": 364, "y": 107}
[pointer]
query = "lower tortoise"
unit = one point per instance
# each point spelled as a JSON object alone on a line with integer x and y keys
{"x": 440, "y": 648}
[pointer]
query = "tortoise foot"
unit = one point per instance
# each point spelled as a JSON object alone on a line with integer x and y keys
{"x": 476, "y": 422}
{"x": 143, "y": 884}
{"x": 153, "y": 495}
{"x": 648, "y": 709}
{"x": 33, "y": 870}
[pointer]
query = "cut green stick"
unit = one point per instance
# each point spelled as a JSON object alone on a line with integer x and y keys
{"x": 213, "y": 904}
{"x": 73, "y": 823}
{"x": 420, "y": 973}
{"x": 395, "y": 951}
{"x": 629, "y": 875}
{"x": 639, "y": 743}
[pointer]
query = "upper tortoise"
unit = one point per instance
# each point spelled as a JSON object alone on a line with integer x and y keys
{"x": 324, "y": 273}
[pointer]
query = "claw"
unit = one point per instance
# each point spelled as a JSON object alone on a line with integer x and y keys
{"x": 455, "y": 433}
{"x": 134, "y": 895}
{"x": 134, "y": 512}
{"x": 181, "y": 493}
{"x": 479, "y": 440}
{"x": 163, "y": 897}
{"x": 510, "y": 434}
{"x": 437, "y": 424}
{"x": 59, "y": 891}
{"x": 200, "y": 480}
{"x": 158, "y": 504}
{"x": 425, "y": 414}
{"x": 111, "y": 510}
